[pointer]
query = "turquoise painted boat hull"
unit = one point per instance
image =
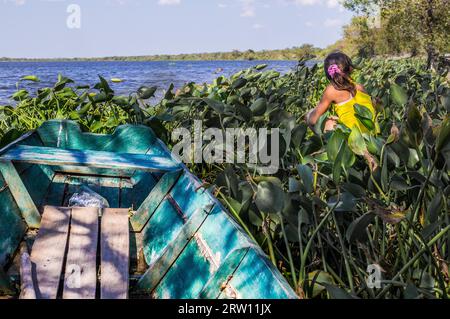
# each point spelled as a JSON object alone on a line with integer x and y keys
{"x": 184, "y": 244}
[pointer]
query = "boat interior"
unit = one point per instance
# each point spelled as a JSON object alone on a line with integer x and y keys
{"x": 161, "y": 235}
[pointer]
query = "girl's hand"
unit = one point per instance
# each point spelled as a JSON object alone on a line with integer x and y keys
{"x": 331, "y": 123}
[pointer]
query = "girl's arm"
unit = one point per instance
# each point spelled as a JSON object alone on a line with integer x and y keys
{"x": 313, "y": 116}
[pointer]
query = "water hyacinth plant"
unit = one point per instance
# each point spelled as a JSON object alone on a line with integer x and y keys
{"x": 324, "y": 218}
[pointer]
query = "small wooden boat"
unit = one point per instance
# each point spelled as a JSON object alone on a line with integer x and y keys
{"x": 163, "y": 235}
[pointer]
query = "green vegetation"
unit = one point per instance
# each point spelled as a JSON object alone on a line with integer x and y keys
{"x": 324, "y": 217}
{"x": 294, "y": 53}
{"x": 395, "y": 27}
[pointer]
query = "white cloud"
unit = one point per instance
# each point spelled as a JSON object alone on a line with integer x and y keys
{"x": 328, "y": 3}
{"x": 329, "y": 23}
{"x": 15, "y": 2}
{"x": 169, "y": 2}
{"x": 309, "y": 24}
{"x": 222, "y": 5}
{"x": 307, "y": 2}
{"x": 257, "y": 26}
{"x": 333, "y": 3}
{"x": 248, "y": 8}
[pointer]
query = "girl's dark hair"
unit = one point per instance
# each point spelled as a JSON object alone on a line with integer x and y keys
{"x": 340, "y": 80}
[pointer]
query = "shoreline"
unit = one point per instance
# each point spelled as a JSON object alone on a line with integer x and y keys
{"x": 112, "y": 60}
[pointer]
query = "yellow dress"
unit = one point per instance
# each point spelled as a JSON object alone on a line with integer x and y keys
{"x": 346, "y": 111}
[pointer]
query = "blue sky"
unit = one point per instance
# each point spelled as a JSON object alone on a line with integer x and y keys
{"x": 39, "y": 28}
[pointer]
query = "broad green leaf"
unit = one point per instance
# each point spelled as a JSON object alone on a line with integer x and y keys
{"x": 334, "y": 144}
{"x": 217, "y": 106}
{"x": 357, "y": 229}
{"x": 363, "y": 111}
{"x": 259, "y": 107}
{"x": 398, "y": 95}
{"x": 434, "y": 207}
{"x": 356, "y": 142}
{"x": 146, "y": 92}
{"x": 316, "y": 278}
{"x": 269, "y": 198}
{"x": 337, "y": 293}
{"x": 444, "y": 135}
{"x": 298, "y": 134}
{"x": 306, "y": 177}
{"x": 32, "y": 78}
{"x": 239, "y": 83}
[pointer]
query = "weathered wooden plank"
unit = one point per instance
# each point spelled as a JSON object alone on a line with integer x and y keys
{"x": 185, "y": 278}
{"x": 189, "y": 195}
{"x": 85, "y": 170}
{"x": 12, "y": 227}
{"x": 130, "y": 139}
{"x": 26, "y": 279}
{"x": 218, "y": 283}
{"x": 207, "y": 251}
{"x": 160, "y": 266}
{"x": 106, "y": 181}
{"x": 80, "y": 278}
{"x": 115, "y": 248}
{"x": 56, "y": 156}
{"x": 48, "y": 251}
{"x": 153, "y": 200}
{"x": 163, "y": 228}
{"x": 183, "y": 200}
{"x": 23, "y": 199}
{"x": 257, "y": 278}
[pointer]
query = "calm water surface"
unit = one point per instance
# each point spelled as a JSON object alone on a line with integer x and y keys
{"x": 133, "y": 74}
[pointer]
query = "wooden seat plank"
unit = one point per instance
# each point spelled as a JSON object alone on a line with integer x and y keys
{"x": 48, "y": 251}
{"x": 100, "y": 159}
{"x": 80, "y": 279}
{"x": 115, "y": 247}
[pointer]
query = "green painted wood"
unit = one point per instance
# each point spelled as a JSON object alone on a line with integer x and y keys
{"x": 134, "y": 196}
{"x": 93, "y": 180}
{"x": 257, "y": 278}
{"x": 125, "y": 139}
{"x": 189, "y": 195}
{"x": 111, "y": 194}
{"x": 183, "y": 200}
{"x": 92, "y": 171}
{"x": 23, "y": 199}
{"x": 209, "y": 250}
{"x": 37, "y": 183}
{"x": 55, "y": 195}
{"x": 219, "y": 281}
{"x": 163, "y": 228}
{"x": 160, "y": 266}
{"x": 12, "y": 227}
{"x": 183, "y": 282}
{"x": 153, "y": 200}
{"x": 6, "y": 287}
{"x": 215, "y": 259}
{"x": 56, "y": 156}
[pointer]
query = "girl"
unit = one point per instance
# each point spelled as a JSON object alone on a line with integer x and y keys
{"x": 343, "y": 93}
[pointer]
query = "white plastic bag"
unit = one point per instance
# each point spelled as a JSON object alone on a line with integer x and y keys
{"x": 86, "y": 197}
